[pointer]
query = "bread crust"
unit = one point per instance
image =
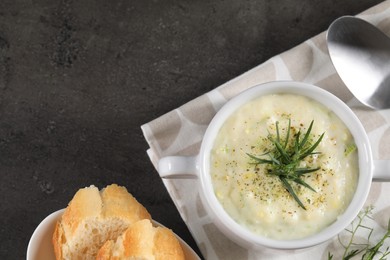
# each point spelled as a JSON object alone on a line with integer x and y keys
{"x": 166, "y": 245}
{"x": 112, "y": 208}
{"x": 143, "y": 241}
{"x": 56, "y": 240}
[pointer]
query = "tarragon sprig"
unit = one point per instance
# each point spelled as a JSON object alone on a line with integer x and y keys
{"x": 367, "y": 251}
{"x": 285, "y": 157}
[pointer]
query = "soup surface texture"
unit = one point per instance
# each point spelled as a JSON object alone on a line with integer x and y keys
{"x": 257, "y": 199}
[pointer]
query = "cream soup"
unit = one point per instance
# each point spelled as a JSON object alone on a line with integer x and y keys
{"x": 258, "y": 200}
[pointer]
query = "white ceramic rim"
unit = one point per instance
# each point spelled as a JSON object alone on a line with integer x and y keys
{"x": 245, "y": 237}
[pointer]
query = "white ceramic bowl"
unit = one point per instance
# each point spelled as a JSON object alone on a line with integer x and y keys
{"x": 172, "y": 167}
{"x": 40, "y": 246}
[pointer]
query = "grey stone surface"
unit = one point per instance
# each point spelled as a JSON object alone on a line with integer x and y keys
{"x": 79, "y": 78}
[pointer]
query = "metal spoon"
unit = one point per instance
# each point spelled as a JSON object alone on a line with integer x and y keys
{"x": 360, "y": 52}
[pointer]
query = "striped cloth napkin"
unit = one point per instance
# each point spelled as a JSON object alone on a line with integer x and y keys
{"x": 180, "y": 132}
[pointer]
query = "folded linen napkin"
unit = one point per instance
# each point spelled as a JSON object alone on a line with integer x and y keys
{"x": 180, "y": 132}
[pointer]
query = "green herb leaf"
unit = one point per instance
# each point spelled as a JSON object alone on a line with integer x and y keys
{"x": 306, "y": 137}
{"x": 291, "y": 191}
{"x": 310, "y": 150}
{"x": 259, "y": 160}
{"x": 366, "y": 250}
{"x": 349, "y": 149}
{"x": 303, "y": 183}
{"x": 302, "y": 171}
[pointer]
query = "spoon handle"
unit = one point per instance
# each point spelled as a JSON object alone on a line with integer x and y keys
{"x": 381, "y": 170}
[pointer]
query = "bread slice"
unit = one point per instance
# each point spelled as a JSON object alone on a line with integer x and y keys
{"x": 142, "y": 241}
{"x": 93, "y": 217}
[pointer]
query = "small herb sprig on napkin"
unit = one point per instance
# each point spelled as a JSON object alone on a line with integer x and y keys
{"x": 366, "y": 250}
{"x": 285, "y": 157}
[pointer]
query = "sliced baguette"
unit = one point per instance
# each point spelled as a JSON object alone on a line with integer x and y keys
{"x": 142, "y": 241}
{"x": 93, "y": 217}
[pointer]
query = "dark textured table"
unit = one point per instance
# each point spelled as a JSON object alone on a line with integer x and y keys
{"x": 79, "y": 78}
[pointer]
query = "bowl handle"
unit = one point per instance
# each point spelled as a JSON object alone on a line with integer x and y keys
{"x": 381, "y": 170}
{"x": 178, "y": 167}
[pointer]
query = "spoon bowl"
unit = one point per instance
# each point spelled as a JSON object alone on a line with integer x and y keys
{"x": 360, "y": 53}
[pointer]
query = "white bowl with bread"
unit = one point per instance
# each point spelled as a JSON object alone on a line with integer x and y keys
{"x": 106, "y": 224}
